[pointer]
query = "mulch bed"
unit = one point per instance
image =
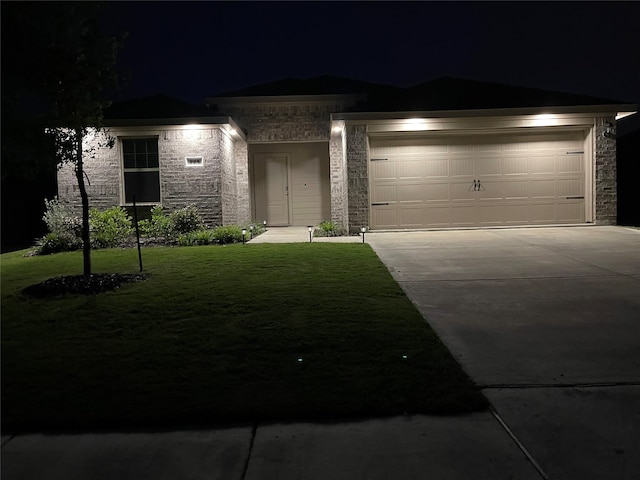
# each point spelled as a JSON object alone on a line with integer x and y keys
{"x": 82, "y": 284}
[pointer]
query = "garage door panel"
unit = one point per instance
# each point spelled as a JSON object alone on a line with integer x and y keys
{"x": 490, "y": 191}
{"x": 410, "y": 192}
{"x": 462, "y": 167}
{"x": 411, "y": 217}
{"x": 436, "y": 192}
{"x": 515, "y": 166}
{"x": 543, "y": 188}
{"x": 462, "y": 192}
{"x": 524, "y": 179}
{"x": 570, "y": 188}
{"x": 384, "y": 193}
{"x": 410, "y": 169}
{"x": 489, "y": 167}
{"x": 384, "y": 170}
{"x": 570, "y": 164}
{"x": 517, "y": 190}
{"x": 572, "y": 212}
{"x": 542, "y": 165}
{"x": 438, "y": 168}
{"x": 384, "y": 217}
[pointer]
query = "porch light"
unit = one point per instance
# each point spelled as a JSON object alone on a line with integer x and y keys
{"x": 244, "y": 232}
{"x": 310, "y": 228}
{"x": 363, "y": 229}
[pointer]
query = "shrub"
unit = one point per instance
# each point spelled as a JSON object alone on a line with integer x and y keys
{"x": 54, "y": 243}
{"x": 110, "y": 227}
{"x": 159, "y": 225}
{"x": 228, "y": 234}
{"x": 197, "y": 237}
{"x": 258, "y": 228}
{"x": 329, "y": 229}
{"x": 60, "y": 220}
{"x": 186, "y": 219}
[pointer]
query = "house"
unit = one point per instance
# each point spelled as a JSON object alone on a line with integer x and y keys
{"x": 447, "y": 153}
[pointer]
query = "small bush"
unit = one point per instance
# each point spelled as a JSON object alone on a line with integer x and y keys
{"x": 54, "y": 243}
{"x": 109, "y": 228}
{"x": 228, "y": 234}
{"x": 186, "y": 219}
{"x": 60, "y": 220}
{"x": 329, "y": 229}
{"x": 158, "y": 226}
{"x": 197, "y": 237}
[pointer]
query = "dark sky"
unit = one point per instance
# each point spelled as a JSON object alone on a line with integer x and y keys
{"x": 193, "y": 49}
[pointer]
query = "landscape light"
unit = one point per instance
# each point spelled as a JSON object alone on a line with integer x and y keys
{"x": 363, "y": 229}
{"x": 244, "y": 232}
{"x": 265, "y": 225}
{"x": 310, "y": 227}
{"x": 251, "y": 230}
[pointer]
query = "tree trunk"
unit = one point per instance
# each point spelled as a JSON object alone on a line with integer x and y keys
{"x": 86, "y": 241}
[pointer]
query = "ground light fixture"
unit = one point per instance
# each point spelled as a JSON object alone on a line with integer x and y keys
{"x": 310, "y": 227}
{"x": 251, "y": 230}
{"x": 265, "y": 225}
{"x": 363, "y": 229}
{"x": 244, "y": 233}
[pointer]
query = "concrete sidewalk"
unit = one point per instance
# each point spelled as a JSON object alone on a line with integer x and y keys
{"x": 399, "y": 448}
{"x": 298, "y": 235}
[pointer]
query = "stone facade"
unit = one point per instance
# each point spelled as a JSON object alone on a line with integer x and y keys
{"x": 212, "y": 187}
{"x": 605, "y": 172}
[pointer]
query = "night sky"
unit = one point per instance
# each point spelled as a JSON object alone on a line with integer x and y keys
{"x": 193, "y": 49}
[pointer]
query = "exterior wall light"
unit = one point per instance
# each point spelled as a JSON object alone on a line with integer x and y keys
{"x": 244, "y": 233}
{"x": 363, "y": 229}
{"x": 310, "y": 228}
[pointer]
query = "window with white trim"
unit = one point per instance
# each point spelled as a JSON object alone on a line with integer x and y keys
{"x": 141, "y": 164}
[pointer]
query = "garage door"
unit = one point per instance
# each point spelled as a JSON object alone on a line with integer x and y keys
{"x": 480, "y": 180}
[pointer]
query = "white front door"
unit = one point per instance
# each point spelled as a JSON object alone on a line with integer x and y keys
{"x": 271, "y": 176}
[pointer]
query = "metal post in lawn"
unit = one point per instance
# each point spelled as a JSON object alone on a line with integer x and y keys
{"x": 135, "y": 219}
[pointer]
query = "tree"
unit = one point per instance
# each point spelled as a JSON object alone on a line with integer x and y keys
{"x": 64, "y": 57}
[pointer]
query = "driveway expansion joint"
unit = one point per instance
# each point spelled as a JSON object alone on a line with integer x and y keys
{"x": 520, "y": 445}
{"x": 254, "y": 431}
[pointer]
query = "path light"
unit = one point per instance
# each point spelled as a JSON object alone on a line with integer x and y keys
{"x": 251, "y": 230}
{"x": 244, "y": 233}
{"x": 265, "y": 225}
{"x": 363, "y": 229}
{"x": 310, "y": 227}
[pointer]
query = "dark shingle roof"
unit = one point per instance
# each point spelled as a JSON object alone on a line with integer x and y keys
{"x": 322, "y": 85}
{"x": 156, "y": 106}
{"x": 448, "y": 93}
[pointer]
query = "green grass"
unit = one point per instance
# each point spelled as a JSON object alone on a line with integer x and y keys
{"x": 216, "y": 335}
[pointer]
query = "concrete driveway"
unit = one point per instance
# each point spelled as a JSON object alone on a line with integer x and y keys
{"x": 547, "y": 321}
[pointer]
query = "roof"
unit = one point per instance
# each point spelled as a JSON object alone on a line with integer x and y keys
{"x": 156, "y": 106}
{"x": 321, "y": 85}
{"x": 448, "y": 93}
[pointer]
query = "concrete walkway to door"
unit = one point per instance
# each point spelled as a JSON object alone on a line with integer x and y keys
{"x": 547, "y": 321}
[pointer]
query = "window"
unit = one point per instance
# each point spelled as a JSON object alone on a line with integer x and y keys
{"x": 141, "y": 170}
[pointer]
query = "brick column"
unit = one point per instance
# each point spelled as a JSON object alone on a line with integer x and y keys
{"x": 606, "y": 194}
{"x": 358, "y": 180}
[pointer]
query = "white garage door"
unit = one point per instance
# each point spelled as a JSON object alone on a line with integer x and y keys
{"x": 478, "y": 180}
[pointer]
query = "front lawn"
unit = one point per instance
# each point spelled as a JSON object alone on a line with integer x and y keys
{"x": 220, "y": 334}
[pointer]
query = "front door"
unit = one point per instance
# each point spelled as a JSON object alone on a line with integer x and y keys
{"x": 271, "y": 188}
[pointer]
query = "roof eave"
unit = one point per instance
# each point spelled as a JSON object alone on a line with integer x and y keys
{"x": 612, "y": 109}
{"x": 176, "y": 122}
